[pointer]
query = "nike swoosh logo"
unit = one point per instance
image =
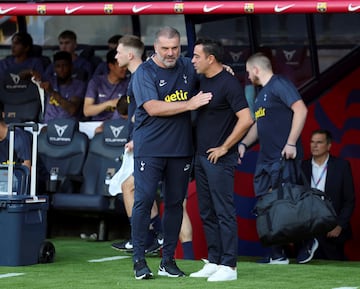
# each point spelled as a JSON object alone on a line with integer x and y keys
{"x": 4, "y": 11}
{"x": 186, "y": 168}
{"x": 281, "y": 9}
{"x": 353, "y": 8}
{"x": 209, "y": 9}
{"x": 139, "y": 9}
{"x": 72, "y": 10}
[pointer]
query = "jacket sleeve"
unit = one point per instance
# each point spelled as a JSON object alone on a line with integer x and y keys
{"x": 348, "y": 205}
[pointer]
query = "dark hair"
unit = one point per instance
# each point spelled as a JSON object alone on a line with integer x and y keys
{"x": 62, "y": 55}
{"x": 325, "y": 132}
{"x": 122, "y": 105}
{"x": 110, "y": 56}
{"x": 1, "y": 111}
{"x": 212, "y": 47}
{"x": 114, "y": 39}
{"x": 68, "y": 34}
{"x": 24, "y": 38}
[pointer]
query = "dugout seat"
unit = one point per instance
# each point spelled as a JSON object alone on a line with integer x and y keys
{"x": 62, "y": 150}
{"x": 293, "y": 62}
{"x": 37, "y": 51}
{"x": 20, "y": 98}
{"x": 103, "y": 159}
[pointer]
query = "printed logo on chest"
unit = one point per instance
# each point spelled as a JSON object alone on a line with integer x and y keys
{"x": 178, "y": 95}
{"x": 260, "y": 112}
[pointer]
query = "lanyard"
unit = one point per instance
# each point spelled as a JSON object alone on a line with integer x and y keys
{"x": 320, "y": 177}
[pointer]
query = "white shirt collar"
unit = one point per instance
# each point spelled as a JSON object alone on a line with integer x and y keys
{"x": 323, "y": 164}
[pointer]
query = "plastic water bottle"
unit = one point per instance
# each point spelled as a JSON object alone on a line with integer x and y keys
{"x": 53, "y": 180}
{"x": 15, "y": 185}
{"x": 107, "y": 183}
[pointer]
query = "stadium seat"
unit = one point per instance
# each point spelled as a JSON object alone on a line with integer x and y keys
{"x": 62, "y": 150}
{"x": 37, "y": 51}
{"x": 88, "y": 52}
{"x": 16, "y": 94}
{"x": 102, "y": 161}
{"x": 294, "y": 62}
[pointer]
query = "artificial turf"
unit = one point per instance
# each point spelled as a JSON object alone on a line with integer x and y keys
{"x": 72, "y": 269}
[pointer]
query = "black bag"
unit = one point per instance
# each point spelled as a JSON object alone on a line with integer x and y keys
{"x": 293, "y": 213}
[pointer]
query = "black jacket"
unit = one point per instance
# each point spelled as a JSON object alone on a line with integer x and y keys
{"x": 339, "y": 186}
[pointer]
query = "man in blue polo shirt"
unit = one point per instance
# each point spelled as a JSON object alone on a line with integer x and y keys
{"x": 280, "y": 115}
{"x": 164, "y": 88}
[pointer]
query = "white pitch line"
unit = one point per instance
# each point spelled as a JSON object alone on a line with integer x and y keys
{"x": 108, "y": 259}
{"x": 346, "y": 288}
{"x": 10, "y": 275}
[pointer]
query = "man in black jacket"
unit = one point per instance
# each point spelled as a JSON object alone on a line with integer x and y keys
{"x": 333, "y": 176}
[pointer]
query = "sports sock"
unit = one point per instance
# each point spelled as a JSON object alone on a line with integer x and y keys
{"x": 188, "y": 251}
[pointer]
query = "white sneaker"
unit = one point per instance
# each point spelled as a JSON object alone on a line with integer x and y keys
{"x": 224, "y": 273}
{"x": 206, "y": 271}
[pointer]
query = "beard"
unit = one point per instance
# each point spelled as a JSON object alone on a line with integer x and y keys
{"x": 255, "y": 80}
{"x": 168, "y": 62}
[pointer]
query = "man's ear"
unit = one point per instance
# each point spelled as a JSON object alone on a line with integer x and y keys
{"x": 211, "y": 58}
